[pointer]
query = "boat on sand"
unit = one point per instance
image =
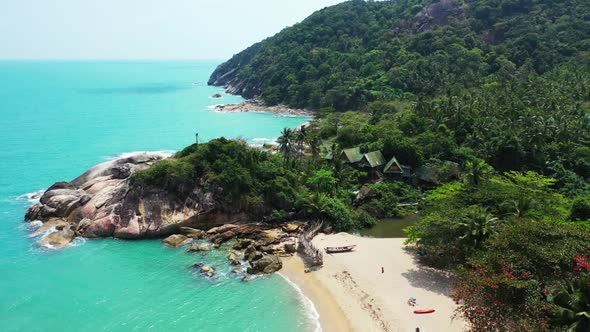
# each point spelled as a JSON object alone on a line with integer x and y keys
{"x": 333, "y": 250}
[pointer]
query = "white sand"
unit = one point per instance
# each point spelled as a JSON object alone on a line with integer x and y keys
{"x": 351, "y": 293}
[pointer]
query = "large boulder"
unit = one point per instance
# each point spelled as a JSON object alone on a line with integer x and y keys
{"x": 176, "y": 240}
{"x": 265, "y": 264}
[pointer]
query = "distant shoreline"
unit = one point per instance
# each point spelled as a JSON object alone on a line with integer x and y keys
{"x": 256, "y": 106}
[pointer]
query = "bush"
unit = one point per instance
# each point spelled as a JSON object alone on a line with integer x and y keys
{"x": 363, "y": 219}
{"x": 389, "y": 194}
{"x": 581, "y": 208}
{"x": 338, "y": 214}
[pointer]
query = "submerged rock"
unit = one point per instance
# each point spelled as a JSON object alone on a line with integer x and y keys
{"x": 248, "y": 278}
{"x": 196, "y": 247}
{"x": 207, "y": 269}
{"x": 59, "y": 239}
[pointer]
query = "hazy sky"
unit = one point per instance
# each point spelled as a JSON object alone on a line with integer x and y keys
{"x": 142, "y": 29}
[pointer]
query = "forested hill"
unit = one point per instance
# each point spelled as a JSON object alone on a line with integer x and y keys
{"x": 351, "y": 54}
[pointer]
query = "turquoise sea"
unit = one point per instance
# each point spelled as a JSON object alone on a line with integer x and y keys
{"x": 59, "y": 118}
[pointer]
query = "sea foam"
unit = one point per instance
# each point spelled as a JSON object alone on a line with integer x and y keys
{"x": 162, "y": 153}
{"x": 32, "y": 197}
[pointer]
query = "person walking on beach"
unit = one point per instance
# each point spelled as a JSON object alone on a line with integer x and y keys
{"x": 382, "y": 270}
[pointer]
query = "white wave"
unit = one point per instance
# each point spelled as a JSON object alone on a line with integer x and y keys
{"x": 312, "y": 312}
{"x": 35, "y": 224}
{"x": 31, "y": 197}
{"x": 214, "y": 107}
{"x": 263, "y": 140}
{"x": 44, "y": 234}
{"x": 161, "y": 153}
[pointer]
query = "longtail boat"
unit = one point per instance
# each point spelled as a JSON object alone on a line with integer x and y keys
{"x": 331, "y": 250}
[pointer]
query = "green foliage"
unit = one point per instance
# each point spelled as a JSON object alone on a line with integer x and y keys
{"x": 323, "y": 181}
{"x": 573, "y": 304}
{"x": 388, "y": 195}
{"x": 338, "y": 214}
{"x": 239, "y": 175}
{"x": 359, "y": 52}
{"x": 581, "y": 208}
{"x": 459, "y": 218}
{"x": 363, "y": 219}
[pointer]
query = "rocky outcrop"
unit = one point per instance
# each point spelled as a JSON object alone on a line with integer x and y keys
{"x": 258, "y": 106}
{"x": 104, "y": 202}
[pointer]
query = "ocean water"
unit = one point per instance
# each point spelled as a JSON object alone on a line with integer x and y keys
{"x": 59, "y": 118}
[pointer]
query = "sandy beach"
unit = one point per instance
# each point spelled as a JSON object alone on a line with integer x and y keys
{"x": 351, "y": 293}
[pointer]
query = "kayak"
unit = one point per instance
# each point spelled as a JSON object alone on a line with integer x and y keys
{"x": 424, "y": 311}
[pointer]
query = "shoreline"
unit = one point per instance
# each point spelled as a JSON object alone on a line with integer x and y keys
{"x": 351, "y": 293}
{"x": 255, "y": 106}
{"x": 331, "y": 316}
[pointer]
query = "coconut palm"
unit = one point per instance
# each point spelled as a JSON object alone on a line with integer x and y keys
{"x": 316, "y": 204}
{"x": 478, "y": 225}
{"x": 314, "y": 146}
{"x": 573, "y": 304}
{"x": 286, "y": 143}
{"x": 300, "y": 138}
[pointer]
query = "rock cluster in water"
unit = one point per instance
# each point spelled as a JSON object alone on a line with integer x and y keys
{"x": 257, "y": 246}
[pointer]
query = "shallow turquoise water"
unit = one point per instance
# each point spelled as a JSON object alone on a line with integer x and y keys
{"x": 59, "y": 118}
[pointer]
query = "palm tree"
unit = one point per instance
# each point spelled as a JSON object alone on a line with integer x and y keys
{"x": 519, "y": 208}
{"x": 286, "y": 143}
{"x": 314, "y": 146}
{"x": 478, "y": 225}
{"x": 316, "y": 204}
{"x": 476, "y": 172}
{"x": 573, "y": 304}
{"x": 300, "y": 138}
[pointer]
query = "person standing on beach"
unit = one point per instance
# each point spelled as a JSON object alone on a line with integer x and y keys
{"x": 382, "y": 270}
